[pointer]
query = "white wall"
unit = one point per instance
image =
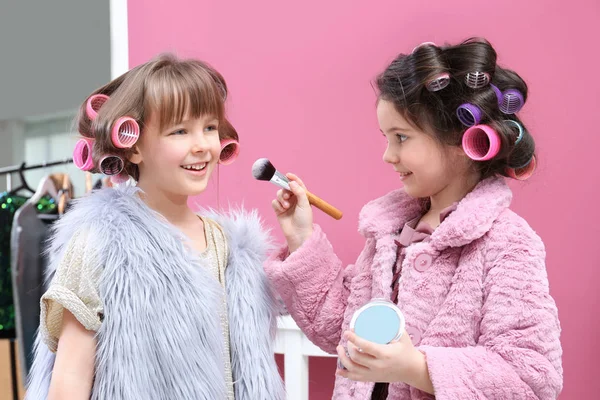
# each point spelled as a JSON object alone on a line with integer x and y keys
{"x": 11, "y": 136}
{"x": 53, "y": 54}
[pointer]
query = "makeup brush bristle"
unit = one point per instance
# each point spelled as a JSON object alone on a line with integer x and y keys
{"x": 263, "y": 170}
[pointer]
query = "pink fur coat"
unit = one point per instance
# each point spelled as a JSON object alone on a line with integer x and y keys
{"x": 475, "y": 296}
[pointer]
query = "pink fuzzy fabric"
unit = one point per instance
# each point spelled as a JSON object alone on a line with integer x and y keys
{"x": 481, "y": 313}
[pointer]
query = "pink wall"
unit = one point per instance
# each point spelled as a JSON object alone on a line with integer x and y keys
{"x": 299, "y": 76}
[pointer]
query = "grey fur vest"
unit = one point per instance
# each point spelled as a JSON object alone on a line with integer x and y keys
{"x": 161, "y": 335}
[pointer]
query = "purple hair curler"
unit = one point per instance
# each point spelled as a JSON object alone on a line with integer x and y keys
{"x": 111, "y": 165}
{"x": 125, "y": 132}
{"x": 481, "y": 142}
{"x": 469, "y": 114}
{"x": 498, "y": 93}
{"x": 477, "y": 79}
{"x": 82, "y": 154}
{"x": 230, "y": 149}
{"x": 512, "y": 101}
{"x": 93, "y": 105}
{"x": 438, "y": 83}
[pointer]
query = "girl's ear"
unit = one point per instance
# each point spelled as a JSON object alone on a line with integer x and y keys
{"x": 136, "y": 155}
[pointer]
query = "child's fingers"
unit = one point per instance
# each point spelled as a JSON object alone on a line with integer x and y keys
{"x": 360, "y": 357}
{"x": 277, "y": 207}
{"x": 367, "y": 347}
{"x": 296, "y": 179}
{"x": 347, "y": 362}
{"x": 284, "y": 196}
{"x": 300, "y": 195}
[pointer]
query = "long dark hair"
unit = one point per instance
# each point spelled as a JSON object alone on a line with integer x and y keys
{"x": 404, "y": 83}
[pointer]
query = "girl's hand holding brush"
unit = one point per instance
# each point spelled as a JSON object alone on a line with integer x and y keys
{"x": 294, "y": 213}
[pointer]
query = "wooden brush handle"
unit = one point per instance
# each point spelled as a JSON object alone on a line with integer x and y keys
{"x": 323, "y": 206}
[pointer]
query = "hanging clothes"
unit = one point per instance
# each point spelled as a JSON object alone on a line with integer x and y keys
{"x": 30, "y": 230}
{"x": 29, "y": 234}
{"x": 9, "y": 204}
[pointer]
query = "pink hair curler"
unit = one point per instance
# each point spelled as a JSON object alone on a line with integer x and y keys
{"x": 230, "y": 149}
{"x": 477, "y": 79}
{"x": 524, "y": 172}
{"x": 481, "y": 142}
{"x": 422, "y": 45}
{"x": 469, "y": 114}
{"x": 82, "y": 154}
{"x": 111, "y": 165}
{"x": 512, "y": 101}
{"x": 93, "y": 105}
{"x": 125, "y": 132}
{"x": 439, "y": 82}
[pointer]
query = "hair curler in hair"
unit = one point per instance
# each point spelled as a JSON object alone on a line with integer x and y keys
{"x": 438, "y": 83}
{"x": 423, "y": 45}
{"x": 481, "y": 142}
{"x": 469, "y": 114}
{"x": 82, "y": 154}
{"x": 111, "y": 165}
{"x": 524, "y": 172}
{"x": 520, "y": 129}
{"x": 512, "y": 101}
{"x": 477, "y": 79}
{"x": 125, "y": 132}
{"x": 498, "y": 93}
{"x": 230, "y": 149}
{"x": 93, "y": 105}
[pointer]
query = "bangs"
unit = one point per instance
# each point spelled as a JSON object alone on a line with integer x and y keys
{"x": 183, "y": 91}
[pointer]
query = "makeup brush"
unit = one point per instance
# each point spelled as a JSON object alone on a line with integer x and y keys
{"x": 263, "y": 170}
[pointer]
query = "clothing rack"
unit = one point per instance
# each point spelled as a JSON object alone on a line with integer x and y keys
{"x": 8, "y": 171}
{"x": 24, "y": 167}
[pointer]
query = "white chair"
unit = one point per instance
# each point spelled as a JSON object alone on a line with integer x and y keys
{"x": 296, "y": 348}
